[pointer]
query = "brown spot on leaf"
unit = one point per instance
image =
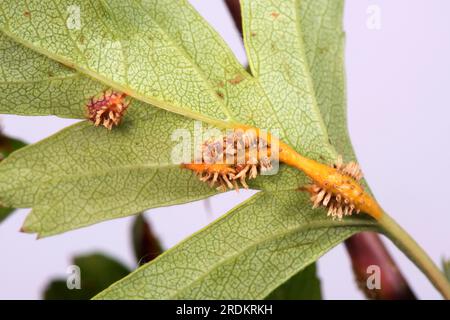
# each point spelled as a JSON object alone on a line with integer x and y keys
{"x": 252, "y": 34}
{"x": 275, "y": 15}
{"x": 237, "y": 79}
{"x": 27, "y": 14}
{"x": 219, "y": 94}
{"x": 81, "y": 39}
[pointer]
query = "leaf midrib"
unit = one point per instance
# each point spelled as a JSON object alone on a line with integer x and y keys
{"x": 102, "y": 79}
{"x": 49, "y": 79}
{"x": 188, "y": 57}
{"x": 183, "y": 111}
{"x": 308, "y": 76}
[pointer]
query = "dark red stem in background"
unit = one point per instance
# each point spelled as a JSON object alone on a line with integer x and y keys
{"x": 235, "y": 10}
{"x": 366, "y": 248}
{"x": 145, "y": 243}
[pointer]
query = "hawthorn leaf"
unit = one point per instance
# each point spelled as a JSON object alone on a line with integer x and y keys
{"x": 324, "y": 39}
{"x": 246, "y": 269}
{"x": 324, "y": 48}
{"x": 305, "y": 285}
{"x": 97, "y": 272}
{"x": 32, "y": 84}
{"x": 66, "y": 187}
{"x": 119, "y": 44}
{"x": 160, "y": 55}
{"x": 242, "y": 255}
{"x": 83, "y": 175}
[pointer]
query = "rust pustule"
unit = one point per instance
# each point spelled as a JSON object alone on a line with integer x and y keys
{"x": 231, "y": 159}
{"x": 108, "y": 109}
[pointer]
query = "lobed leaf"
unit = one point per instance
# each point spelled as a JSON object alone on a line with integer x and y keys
{"x": 264, "y": 241}
{"x": 162, "y": 53}
{"x": 84, "y": 175}
{"x": 97, "y": 271}
{"x": 242, "y": 255}
{"x": 65, "y": 177}
{"x": 32, "y": 84}
{"x": 305, "y": 285}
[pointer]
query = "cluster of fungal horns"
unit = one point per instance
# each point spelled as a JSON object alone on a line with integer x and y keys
{"x": 231, "y": 159}
{"x": 108, "y": 109}
{"x": 338, "y": 205}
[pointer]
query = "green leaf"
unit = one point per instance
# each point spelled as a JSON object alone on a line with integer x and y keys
{"x": 97, "y": 272}
{"x": 84, "y": 175}
{"x": 66, "y": 186}
{"x": 446, "y": 267}
{"x": 321, "y": 25}
{"x": 32, "y": 84}
{"x": 243, "y": 255}
{"x": 113, "y": 41}
{"x": 165, "y": 45}
{"x": 5, "y": 212}
{"x": 305, "y": 285}
{"x": 162, "y": 53}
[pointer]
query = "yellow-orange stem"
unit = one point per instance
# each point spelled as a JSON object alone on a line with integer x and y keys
{"x": 220, "y": 168}
{"x": 325, "y": 176}
{"x": 331, "y": 179}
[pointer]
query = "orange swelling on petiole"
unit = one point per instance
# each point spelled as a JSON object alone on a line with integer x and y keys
{"x": 342, "y": 186}
{"x": 335, "y": 187}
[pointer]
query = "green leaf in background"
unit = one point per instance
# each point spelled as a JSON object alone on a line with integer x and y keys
{"x": 5, "y": 212}
{"x": 97, "y": 272}
{"x": 446, "y": 267}
{"x": 305, "y": 285}
{"x": 8, "y": 145}
{"x": 160, "y": 53}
